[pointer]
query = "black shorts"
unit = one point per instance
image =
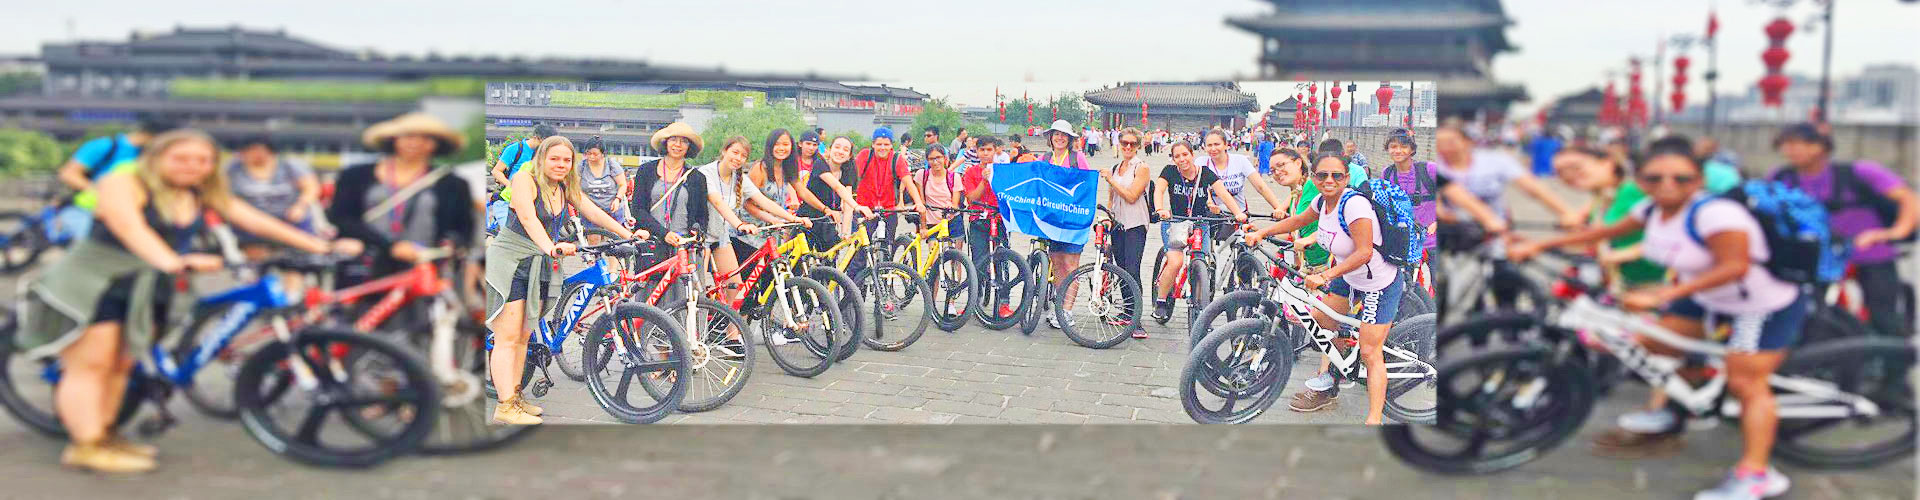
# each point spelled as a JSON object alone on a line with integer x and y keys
{"x": 522, "y": 275}
{"x": 118, "y": 300}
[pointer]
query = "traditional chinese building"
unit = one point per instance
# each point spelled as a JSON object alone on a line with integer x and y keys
{"x": 1450, "y": 42}
{"x": 1174, "y": 105}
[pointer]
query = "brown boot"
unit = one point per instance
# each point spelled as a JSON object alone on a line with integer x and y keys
{"x": 120, "y": 443}
{"x": 99, "y": 458}
{"x": 510, "y": 413}
{"x": 529, "y": 407}
{"x": 1622, "y": 443}
{"x": 1309, "y": 400}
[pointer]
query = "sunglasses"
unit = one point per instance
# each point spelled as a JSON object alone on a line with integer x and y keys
{"x": 1129, "y": 143}
{"x": 1654, "y": 179}
{"x": 1330, "y": 176}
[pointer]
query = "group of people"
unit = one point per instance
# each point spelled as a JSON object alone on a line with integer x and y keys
{"x": 152, "y": 190}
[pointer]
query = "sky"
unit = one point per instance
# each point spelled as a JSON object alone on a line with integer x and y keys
{"x": 963, "y": 50}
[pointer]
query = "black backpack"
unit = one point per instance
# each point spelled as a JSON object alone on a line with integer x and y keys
{"x": 1845, "y": 179}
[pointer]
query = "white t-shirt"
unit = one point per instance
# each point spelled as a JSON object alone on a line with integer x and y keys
{"x": 728, "y": 196}
{"x": 1667, "y": 243}
{"x": 1488, "y": 177}
{"x": 1377, "y": 274}
{"x": 1234, "y": 176}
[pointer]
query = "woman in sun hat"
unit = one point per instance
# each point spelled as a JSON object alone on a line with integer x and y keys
{"x": 665, "y": 200}
{"x": 1060, "y": 152}
{"x": 434, "y": 207}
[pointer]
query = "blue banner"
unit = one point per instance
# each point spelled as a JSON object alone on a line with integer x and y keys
{"x": 1049, "y": 201}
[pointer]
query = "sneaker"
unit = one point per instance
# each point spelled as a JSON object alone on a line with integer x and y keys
{"x": 1006, "y": 311}
{"x": 1647, "y": 421}
{"x": 1140, "y": 333}
{"x": 116, "y": 442}
{"x": 781, "y": 338}
{"x": 509, "y": 412}
{"x": 1311, "y": 401}
{"x": 1162, "y": 312}
{"x": 1053, "y": 323}
{"x": 529, "y": 407}
{"x": 1748, "y": 485}
{"x": 101, "y": 458}
{"x": 1321, "y": 382}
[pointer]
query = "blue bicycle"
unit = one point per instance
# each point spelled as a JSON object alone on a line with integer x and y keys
{"x": 285, "y": 392}
{"x": 26, "y": 235}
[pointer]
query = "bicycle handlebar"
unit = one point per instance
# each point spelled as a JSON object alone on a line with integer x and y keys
{"x": 1189, "y": 218}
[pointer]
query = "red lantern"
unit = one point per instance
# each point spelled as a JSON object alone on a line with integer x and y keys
{"x": 1775, "y": 57}
{"x": 1713, "y": 24}
{"x": 1774, "y": 85}
{"x": 1384, "y": 97}
{"x": 1681, "y": 63}
{"x": 1679, "y": 96}
{"x": 1335, "y": 108}
{"x": 1679, "y": 100}
{"x": 1334, "y": 90}
{"x": 1313, "y": 88}
{"x": 1779, "y": 29}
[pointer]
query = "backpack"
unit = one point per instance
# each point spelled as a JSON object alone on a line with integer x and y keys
{"x": 1402, "y": 239}
{"x": 1801, "y": 246}
{"x": 1422, "y": 177}
{"x": 1845, "y": 179}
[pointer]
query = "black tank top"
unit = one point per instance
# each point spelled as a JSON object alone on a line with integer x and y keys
{"x": 178, "y": 237}
{"x": 548, "y": 220}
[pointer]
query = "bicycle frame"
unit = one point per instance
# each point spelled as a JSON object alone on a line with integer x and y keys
{"x": 927, "y": 245}
{"x": 1299, "y": 304}
{"x": 1803, "y": 397}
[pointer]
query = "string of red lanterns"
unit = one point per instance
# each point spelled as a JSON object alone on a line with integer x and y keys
{"x": 1679, "y": 96}
{"x": 1774, "y": 85}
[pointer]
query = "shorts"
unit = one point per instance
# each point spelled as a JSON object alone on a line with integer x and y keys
{"x": 1749, "y": 332}
{"x": 521, "y": 276}
{"x": 118, "y": 300}
{"x": 1373, "y": 308}
{"x": 743, "y": 249}
{"x": 1179, "y": 243}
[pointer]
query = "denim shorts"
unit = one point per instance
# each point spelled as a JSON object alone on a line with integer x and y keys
{"x": 1176, "y": 240}
{"x": 1373, "y": 308}
{"x": 1751, "y": 332}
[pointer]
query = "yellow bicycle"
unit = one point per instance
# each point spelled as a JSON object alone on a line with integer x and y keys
{"x": 887, "y": 298}
{"x": 930, "y": 254}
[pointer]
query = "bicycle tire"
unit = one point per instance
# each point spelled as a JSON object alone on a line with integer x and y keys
{"x": 423, "y": 389}
{"x": 1261, "y": 385}
{"x": 819, "y": 350}
{"x": 940, "y": 281}
{"x": 1568, "y": 404}
{"x": 1865, "y": 361}
{"x": 1012, "y": 287}
{"x": 27, "y": 243}
{"x": 883, "y": 298}
{"x": 1414, "y": 301}
{"x": 1247, "y": 272}
{"x": 702, "y": 363}
{"x": 1038, "y": 293}
{"x": 640, "y": 328}
{"x": 848, "y": 293}
{"x": 46, "y": 420}
{"x": 1199, "y": 288}
{"x": 1415, "y": 335}
{"x": 465, "y": 427}
{"x": 1128, "y": 307}
{"x": 187, "y": 343}
{"x": 1232, "y": 306}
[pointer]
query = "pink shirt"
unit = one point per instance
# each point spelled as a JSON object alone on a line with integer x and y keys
{"x": 940, "y": 191}
{"x": 1377, "y": 274}
{"x": 1668, "y": 244}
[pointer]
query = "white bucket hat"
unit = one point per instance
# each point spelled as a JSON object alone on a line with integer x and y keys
{"x": 1063, "y": 126}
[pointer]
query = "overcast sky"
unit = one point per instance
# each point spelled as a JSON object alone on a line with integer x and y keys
{"x": 965, "y": 49}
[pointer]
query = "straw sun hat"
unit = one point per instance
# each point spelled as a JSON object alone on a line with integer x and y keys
{"x": 380, "y": 135}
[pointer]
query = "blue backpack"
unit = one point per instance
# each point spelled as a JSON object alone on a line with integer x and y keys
{"x": 1402, "y": 239}
{"x": 1802, "y": 248}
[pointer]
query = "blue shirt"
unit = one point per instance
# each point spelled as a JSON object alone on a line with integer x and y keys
{"x": 516, "y": 154}
{"x": 1266, "y": 154}
{"x": 1543, "y": 150}
{"x": 93, "y": 152}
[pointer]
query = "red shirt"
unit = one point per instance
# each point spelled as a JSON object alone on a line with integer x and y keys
{"x": 976, "y": 176}
{"x": 879, "y": 179}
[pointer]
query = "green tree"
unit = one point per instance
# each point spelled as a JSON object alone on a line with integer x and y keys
{"x": 754, "y": 124}
{"x": 19, "y": 83}
{"x": 477, "y": 148}
{"x": 26, "y": 152}
{"x": 940, "y": 114}
{"x": 1072, "y": 108}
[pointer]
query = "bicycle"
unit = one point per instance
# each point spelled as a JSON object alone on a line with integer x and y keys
{"x": 1252, "y": 358}
{"x": 1003, "y": 277}
{"x": 883, "y": 293}
{"x": 1196, "y": 284}
{"x": 311, "y": 362}
{"x": 1505, "y": 407}
{"x": 720, "y": 357}
{"x": 25, "y": 235}
{"x": 1114, "y": 308}
{"x": 944, "y": 268}
{"x": 1479, "y": 279}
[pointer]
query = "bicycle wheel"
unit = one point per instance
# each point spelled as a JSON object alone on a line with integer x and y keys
{"x": 1232, "y": 306}
{"x": 22, "y": 240}
{"x": 1875, "y": 368}
{"x": 1243, "y": 367}
{"x": 1498, "y": 409}
{"x": 396, "y": 405}
{"x": 571, "y": 365}
{"x": 719, "y": 361}
{"x": 212, "y": 390}
{"x": 1406, "y": 401}
{"x": 639, "y": 342}
{"x": 1039, "y": 293}
{"x": 1247, "y": 272}
{"x": 801, "y": 329}
{"x": 1414, "y": 301}
{"x": 26, "y": 389}
{"x": 465, "y": 415}
{"x": 1108, "y": 309}
{"x": 846, "y": 292}
{"x": 951, "y": 281}
{"x": 900, "y": 307}
{"x": 1003, "y": 290}
{"x": 1199, "y": 289}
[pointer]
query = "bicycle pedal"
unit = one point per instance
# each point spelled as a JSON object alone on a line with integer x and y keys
{"x": 154, "y": 426}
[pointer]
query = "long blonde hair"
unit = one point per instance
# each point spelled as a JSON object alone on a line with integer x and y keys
{"x": 540, "y": 181}
{"x": 212, "y": 191}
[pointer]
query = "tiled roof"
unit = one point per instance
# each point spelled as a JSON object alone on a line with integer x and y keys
{"x": 1204, "y": 95}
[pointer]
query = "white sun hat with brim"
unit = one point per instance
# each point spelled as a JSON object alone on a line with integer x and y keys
{"x": 1063, "y": 126}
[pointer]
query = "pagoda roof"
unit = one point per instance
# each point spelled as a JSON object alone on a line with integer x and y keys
{"x": 1369, "y": 21}
{"x": 1196, "y": 94}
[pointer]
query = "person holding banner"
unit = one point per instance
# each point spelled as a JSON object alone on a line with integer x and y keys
{"x": 1184, "y": 189}
{"x": 1062, "y": 255}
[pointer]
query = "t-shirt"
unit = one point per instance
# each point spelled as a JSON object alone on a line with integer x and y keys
{"x": 1233, "y": 176}
{"x": 93, "y": 154}
{"x": 1856, "y": 217}
{"x": 1189, "y": 197}
{"x": 730, "y": 198}
{"x": 516, "y": 154}
{"x": 1315, "y": 255}
{"x": 976, "y": 177}
{"x": 1424, "y": 201}
{"x": 940, "y": 191}
{"x": 1376, "y": 275}
{"x": 1668, "y": 244}
{"x": 1719, "y": 179}
{"x": 274, "y": 195}
{"x": 603, "y": 188}
{"x": 1488, "y": 177}
{"x": 1542, "y": 151}
{"x": 880, "y": 184}
{"x": 820, "y": 189}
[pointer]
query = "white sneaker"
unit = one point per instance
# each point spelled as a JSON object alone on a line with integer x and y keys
{"x": 1748, "y": 487}
{"x": 782, "y": 338}
{"x": 1053, "y": 323}
{"x": 1321, "y": 382}
{"x": 1647, "y": 421}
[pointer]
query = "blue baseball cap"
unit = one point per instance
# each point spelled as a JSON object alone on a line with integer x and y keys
{"x": 882, "y": 132}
